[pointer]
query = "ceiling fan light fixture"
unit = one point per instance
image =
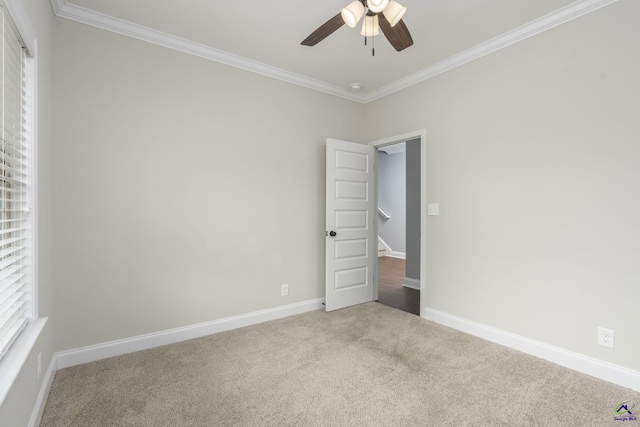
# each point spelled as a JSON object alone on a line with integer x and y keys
{"x": 370, "y": 26}
{"x": 394, "y": 12}
{"x": 377, "y": 6}
{"x": 352, "y": 13}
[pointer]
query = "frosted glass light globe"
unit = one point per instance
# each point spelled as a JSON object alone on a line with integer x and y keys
{"x": 394, "y": 12}
{"x": 377, "y": 6}
{"x": 352, "y": 13}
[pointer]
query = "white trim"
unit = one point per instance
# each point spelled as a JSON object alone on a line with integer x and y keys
{"x": 387, "y": 248}
{"x": 31, "y": 86}
{"x": 11, "y": 364}
{"x": 92, "y": 353}
{"x": 57, "y": 5}
{"x": 129, "y": 29}
{"x": 411, "y": 283}
{"x": 537, "y": 26}
{"x": 578, "y": 362}
{"x": 41, "y": 401}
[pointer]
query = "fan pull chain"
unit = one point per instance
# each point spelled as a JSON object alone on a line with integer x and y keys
{"x": 365, "y": 28}
{"x": 373, "y": 46}
{"x": 373, "y": 37}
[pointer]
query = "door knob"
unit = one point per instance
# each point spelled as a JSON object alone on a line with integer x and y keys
{"x": 332, "y": 233}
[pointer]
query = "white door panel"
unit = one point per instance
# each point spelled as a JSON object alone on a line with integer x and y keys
{"x": 350, "y": 207}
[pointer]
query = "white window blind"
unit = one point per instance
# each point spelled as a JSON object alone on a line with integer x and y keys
{"x": 15, "y": 177}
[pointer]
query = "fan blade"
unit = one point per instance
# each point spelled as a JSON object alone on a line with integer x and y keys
{"x": 324, "y": 31}
{"x": 398, "y": 36}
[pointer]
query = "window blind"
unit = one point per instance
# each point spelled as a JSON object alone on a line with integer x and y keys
{"x": 14, "y": 187}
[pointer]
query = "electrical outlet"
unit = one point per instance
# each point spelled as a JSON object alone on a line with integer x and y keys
{"x": 606, "y": 337}
{"x": 284, "y": 290}
{"x": 39, "y": 365}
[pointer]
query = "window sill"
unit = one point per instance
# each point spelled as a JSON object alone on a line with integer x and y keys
{"x": 12, "y": 363}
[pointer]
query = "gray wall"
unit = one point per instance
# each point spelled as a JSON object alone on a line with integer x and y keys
{"x": 413, "y": 209}
{"x": 185, "y": 190}
{"x": 533, "y": 156}
{"x": 392, "y": 199}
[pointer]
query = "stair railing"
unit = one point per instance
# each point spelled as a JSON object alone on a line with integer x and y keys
{"x": 384, "y": 215}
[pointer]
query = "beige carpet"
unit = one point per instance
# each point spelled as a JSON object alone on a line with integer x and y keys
{"x": 369, "y": 365}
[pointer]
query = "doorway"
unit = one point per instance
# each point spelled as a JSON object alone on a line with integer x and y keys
{"x": 400, "y": 226}
{"x": 351, "y": 262}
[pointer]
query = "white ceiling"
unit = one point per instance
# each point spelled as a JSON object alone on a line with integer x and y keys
{"x": 270, "y": 32}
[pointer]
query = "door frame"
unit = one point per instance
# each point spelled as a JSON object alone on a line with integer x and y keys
{"x": 422, "y": 134}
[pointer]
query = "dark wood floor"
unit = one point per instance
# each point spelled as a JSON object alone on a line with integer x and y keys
{"x": 391, "y": 274}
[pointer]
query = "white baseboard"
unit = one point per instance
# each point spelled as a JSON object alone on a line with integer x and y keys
{"x": 386, "y": 247}
{"x": 41, "y": 401}
{"x": 411, "y": 283}
{"x": 578, "y": 362}
{"x": 390, "y": 252}
{"x": 143, "y": 342}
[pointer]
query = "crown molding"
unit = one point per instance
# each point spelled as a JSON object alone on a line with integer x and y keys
{"x": 540, "y": 25}
{"x": 99, "y": 20}
{"x": 105, "y": 22}
{"x": 57, "y": 5}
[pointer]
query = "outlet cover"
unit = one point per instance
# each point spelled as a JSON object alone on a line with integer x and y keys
{"x": 284, "y": 290}
{"x": 606, "y": 337}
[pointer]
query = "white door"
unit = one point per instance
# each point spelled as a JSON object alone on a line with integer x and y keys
{"x": 350, "y": 212}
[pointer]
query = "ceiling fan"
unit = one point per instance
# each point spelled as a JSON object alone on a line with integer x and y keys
{"x": 385, "y": 15}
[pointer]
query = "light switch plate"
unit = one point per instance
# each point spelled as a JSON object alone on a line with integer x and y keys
{"x": 433, "y": 209}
